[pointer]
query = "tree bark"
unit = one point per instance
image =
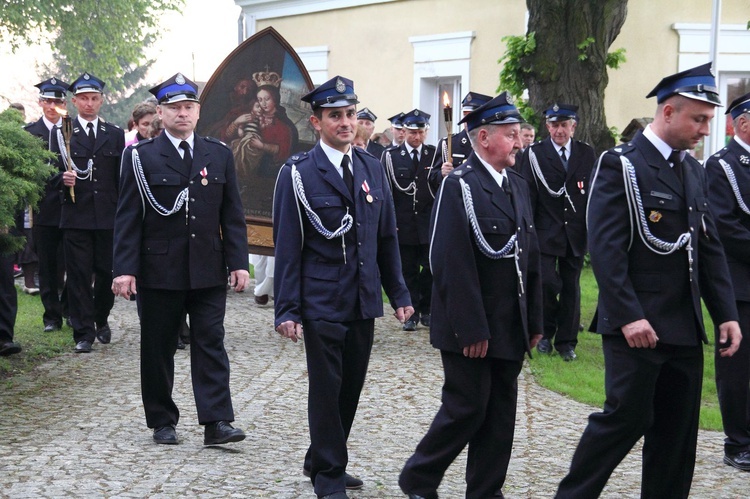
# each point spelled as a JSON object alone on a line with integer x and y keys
{"x": 556, "y": 72}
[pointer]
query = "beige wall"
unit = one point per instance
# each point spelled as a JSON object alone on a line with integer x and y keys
{"x": 371, "y": 45}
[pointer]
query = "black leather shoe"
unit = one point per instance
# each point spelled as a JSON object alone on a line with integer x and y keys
{"x": 221, "y": 432}
{"x": 104, "y": 333}
{"x": 417, "y": 496}
{"x": 180, "y": 344}
{"x": 261, "y": 300}
{"x": 9, "y": 348}
{"x": 741, "y": 460}
{"x": 352, "y": 483}
{"x": 425, "y": 320}
{"x": 83, "y": 346}
{"x": 52, "y": 327}
{"x": 165, "y": 435}
{"x": 568, "y": 355}
{"x": 410, "y": 325}
{"x": 544, "y": 346}
{"x": 335, "y": 495}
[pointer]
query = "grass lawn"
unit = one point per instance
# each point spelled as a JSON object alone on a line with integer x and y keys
{"x": 583, "y": 380}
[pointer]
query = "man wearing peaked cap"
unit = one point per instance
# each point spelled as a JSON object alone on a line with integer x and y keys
{"x": 46, "y": 233}
{"x": 558, "y": 170}
{"x": 345, "y": 240}
{"x": 397, "y": 128}
{"x": 652, "y": 277}
{"x": 486, "y": 307}
{"x": 460, "y": 144}
{"x": 88, "y": 219}
{"x": 728, "y": 174}
{"x": 366, "y": 119}
{"x": 408, "y": 168}
{"x": 179, "y": 235}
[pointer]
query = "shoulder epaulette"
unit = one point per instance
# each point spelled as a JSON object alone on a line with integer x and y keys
{"x": 216, "y": 141}
{"x": 512, "y": 171}
{"x": 429, "y": 146}
{"x": 720, "y": 153}
{"x": 622, "y": 148}
{"x": 297, "y": 158}
{"x": 142, "y": 142}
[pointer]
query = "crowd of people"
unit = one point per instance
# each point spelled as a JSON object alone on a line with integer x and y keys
{"x": 480, "y": 239}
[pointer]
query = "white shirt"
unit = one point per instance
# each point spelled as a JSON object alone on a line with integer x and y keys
{"x": 84, "y": 124}
{"x": 742, "y": 143}
{"x": 335, "y": 156}
{"x": 566, "y": 146}
{"x": 49, "y": 124}
{"x": 498, "y": 176}
{"x": 176, "y": 143}
{"x": 664, "y": 149}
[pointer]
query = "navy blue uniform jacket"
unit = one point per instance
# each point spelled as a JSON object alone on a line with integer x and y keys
{"x": 311, "y": 279}
{"x": 96, "y": 198}
{"x": 732, "y": 223}
{"x": 557, "y": 224}
{"x": 48, "y": 209}
{"x": 634, "y": 282}
{"x": 180, "y": 252}
{"x": 474, "y": 297}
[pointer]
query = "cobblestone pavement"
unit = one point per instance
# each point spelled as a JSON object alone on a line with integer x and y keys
{"x": 75, "y": 427}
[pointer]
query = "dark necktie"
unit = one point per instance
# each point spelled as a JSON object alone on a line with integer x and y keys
{"x": 348, "y": 177}
{"x": 506, "y": 186}
{"x": 564, "y": 158}
{"x": 676, "y": 161}
{"x": 90, "y": 133}
{"x": 186, "y": 158}
{"x": 415, "y": 158}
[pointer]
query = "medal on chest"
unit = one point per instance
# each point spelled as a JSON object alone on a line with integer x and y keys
{"x": 204, "y": 174}
{"x": 366, "y": 188}
{"x": 580, "y": 187}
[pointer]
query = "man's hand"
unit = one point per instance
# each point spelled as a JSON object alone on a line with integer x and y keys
{"x": 446, "y": 168}
{"x": 536, "y": 338}
{"x": 640, "y": 334}
{"x": 239, "y": 279}
{"x": 291, "y": 330}
{"x": 729, "y": 331}
{"x": 403, "y": 313}
{"x": 124, "y": 285}
{"x": 69, "y": 178}
{"x": 477, "y": 350}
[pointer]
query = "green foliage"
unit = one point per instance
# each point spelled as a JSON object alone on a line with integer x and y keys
{"x": 104, "y": 37}
{"x": 513, "y": 72}
{"x": 616, "y": 58}
{"x": 24, "y": 169}
{"x": 582, "y": 48}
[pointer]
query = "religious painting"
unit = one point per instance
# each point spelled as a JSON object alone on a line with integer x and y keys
{"x": 252, "y": 104}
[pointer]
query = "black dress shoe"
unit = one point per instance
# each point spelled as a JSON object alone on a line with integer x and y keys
{"x": 180, "y": 344}
{"x": 165, "y": 435}
{"x": 9, "y": 348}
{"x": 568, "y": 355}
{"x": 221, "y": 432}
{"x": 104, "y": 333}
{"x": 52, "y": 327}
{"x": 410, "y": 325}
{"x": 741, "y": 460}
{"x": 261, "y": 300}
{"x": 544, "y": 346}
{"x": 335, "y": 495}
{"x": 425, "y": 320}
{"x": 352, "y": 482}
{"x": 83, "y": 346}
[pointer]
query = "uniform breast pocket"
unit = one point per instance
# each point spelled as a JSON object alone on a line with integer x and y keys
{"x": 664, "y": 215}
{"x": 495, "y": 230}
{"x": 330, "y": 208}
{"x": 167, "y": 179}
{"x": 155, "y": 247}
{"x": 212, "y": 192}
{"x": 111, "y": 153}
{"x": 701, "y": 204}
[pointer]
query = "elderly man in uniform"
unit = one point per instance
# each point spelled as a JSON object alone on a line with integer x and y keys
{"x": 47, "y": 235}
{"x": 334, "y": 229}
{"x": 558, "y": 170}
{"x": 655, "y": 253}
{"x": 366, "y": 119}
{"x": 408, "y": 168}
{"x": 88, "y": 218}
{"x": 442, "y": 165}
{"x": 728, "y": 174}
{"x": 483, "y": 326}
{"x": 179, "y": 234}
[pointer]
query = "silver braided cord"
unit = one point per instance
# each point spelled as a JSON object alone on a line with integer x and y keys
{"x": 70, "y": 164}
{"x": 635, "y": 203}
{"x": 444, "y": 151}
{"x": 537, "y": 171}
{"x": 735, "y": 188}
{"x": 63, "y": 150}
{"x": 410, "y": 190}
{"x": 145, "y": 191}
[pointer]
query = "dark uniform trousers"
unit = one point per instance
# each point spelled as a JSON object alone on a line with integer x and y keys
{"x": 479, "y": 395}
{"x": 413, "y": 219}
{"x": 562, "y": 233}
{"x": 181, "y": 262}
{"x": 88, "y": 225}
{"x": 310, "y": 273}
{"x": 8, "y": 298}
{"x": 733, "y": 373}
{"x": 651, "y": 393}
{"x": 48, "y": 242}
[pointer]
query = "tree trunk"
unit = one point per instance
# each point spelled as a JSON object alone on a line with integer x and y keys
{"x": 557, "y": 72}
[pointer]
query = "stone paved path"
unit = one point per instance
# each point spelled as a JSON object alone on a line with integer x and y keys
{"x": 75, "y": 428}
